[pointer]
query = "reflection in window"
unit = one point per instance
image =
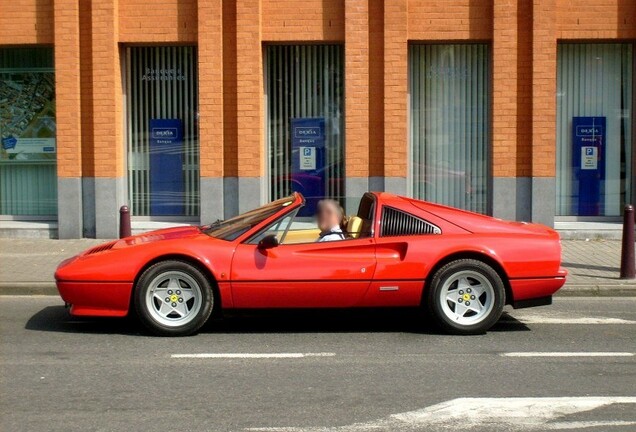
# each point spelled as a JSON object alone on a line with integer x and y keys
{"x": 163, "y": 132}
{"x": 304, "y": 91}
{"x": 28, "y": 182}
{"x": 450, "y": 136}
{"x": 594, "y": 88}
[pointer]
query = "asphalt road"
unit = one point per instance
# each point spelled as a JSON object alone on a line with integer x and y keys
{"x": 569, "y": 366}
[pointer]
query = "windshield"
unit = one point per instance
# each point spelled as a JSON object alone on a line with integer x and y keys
{"x": 233, "y": 228}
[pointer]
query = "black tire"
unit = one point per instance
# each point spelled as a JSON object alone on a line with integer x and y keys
{"x": 161, "y": 277}
{"x": 440, "y": 307}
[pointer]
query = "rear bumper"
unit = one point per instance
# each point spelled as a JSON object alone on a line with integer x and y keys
{"x": 536, "y": 291}
{"x": 108, "y": 299}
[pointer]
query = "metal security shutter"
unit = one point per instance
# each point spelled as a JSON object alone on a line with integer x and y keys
{"x": 171, "y": 94}
{"x": 304, "y": 81}
{"x": 449, "y": 127}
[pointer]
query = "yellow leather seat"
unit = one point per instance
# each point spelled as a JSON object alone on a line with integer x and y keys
{"x": 354, "y": 226}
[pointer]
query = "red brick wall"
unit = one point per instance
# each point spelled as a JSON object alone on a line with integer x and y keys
{"x": 357, "y": 88}
{"x": 67, "y": 88}
{"x": 158, "y": 21}
{"x": 26, "y": 22}
{"x": 395, "y": 88}
{"x": 303, "y": 20}
{"x": 450, "y": 20}
{"x": 210, "y": 52}
{"x": 107, "y": 91}
{"x": 249, "y": 90}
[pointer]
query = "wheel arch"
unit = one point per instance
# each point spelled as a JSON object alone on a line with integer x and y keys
{"x": 193, "y": 261}
{"x": 479, "y": 256}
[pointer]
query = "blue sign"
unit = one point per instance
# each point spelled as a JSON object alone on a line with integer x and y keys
{"x": 9, "y": 142}
{"x": 588, "y": 164}
{"x": 308, "y": 161}
{"x": 167, "y": 187}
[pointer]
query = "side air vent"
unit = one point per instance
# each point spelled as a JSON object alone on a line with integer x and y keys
{"x": 398, "y": 223}
{"x": 101, "y": 248}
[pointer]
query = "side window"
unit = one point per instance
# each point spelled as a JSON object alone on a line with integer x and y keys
{"x": 278, "y": 228}
{"x": 399, "y": 223}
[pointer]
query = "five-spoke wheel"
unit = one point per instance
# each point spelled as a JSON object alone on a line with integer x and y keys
{"x": 466, "y": 296}
{"x": 173, "y": 298}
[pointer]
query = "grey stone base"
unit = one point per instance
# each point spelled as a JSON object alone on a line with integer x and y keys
{"x": 109, "y": 197}
{"x": 543, "y": 200}
{"x": 250, "y": 193}
{"x": 511, "y": 198}
{"x": 395, "y": 185}
{"x": 69, "y": 207}
{"x": 88, "y": 206}
{"x": 212, "y": 199}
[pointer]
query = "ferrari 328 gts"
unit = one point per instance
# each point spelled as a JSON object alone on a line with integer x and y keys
{"x": 461, "y": 267}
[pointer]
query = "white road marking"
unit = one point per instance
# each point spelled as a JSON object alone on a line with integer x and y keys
{"x": 566, "y": 354}
{"x": 539, "y": 319}
{"x": 526, "y": 414}
{"x": 252, "y": 355}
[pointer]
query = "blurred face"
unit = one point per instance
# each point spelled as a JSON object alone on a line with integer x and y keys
{"x": 327, "y": 217}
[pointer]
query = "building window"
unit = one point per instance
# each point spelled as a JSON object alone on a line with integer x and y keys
{"x": 304, "y": 92}
{"x": 449, "y": 124}
{"x": 594, "y": 129}
{"x": 162, "y": 131}
{"x": 28, "y": 180}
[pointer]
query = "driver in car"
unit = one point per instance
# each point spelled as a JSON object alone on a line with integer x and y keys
{"x": 331, "y": 220}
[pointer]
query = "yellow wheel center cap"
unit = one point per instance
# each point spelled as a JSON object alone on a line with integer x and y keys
{"x": 466, "y": 297}
{"x": 174, "y": 298}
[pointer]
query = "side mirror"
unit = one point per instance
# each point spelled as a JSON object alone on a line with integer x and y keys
{"x": 268, "y": 242}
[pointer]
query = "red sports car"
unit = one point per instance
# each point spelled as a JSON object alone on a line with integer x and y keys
{"x": 463, "y": 267}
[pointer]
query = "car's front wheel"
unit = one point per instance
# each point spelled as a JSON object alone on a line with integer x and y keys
{"x": 173, "y": 298}
{"x": 466, "y": 297}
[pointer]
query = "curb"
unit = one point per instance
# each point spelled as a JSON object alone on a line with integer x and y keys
{"x": 580, "y": 290}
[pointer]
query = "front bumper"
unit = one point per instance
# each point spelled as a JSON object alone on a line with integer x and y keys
{"x": 107, "y": 299}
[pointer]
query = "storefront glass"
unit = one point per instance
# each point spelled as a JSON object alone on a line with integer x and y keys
{"x": 162, "y": 131}
{"x": 594, "y": 129}
{"x": 304, "y": 92}
{"x": 449, "y": 124}
{"x": 28, "y": 182}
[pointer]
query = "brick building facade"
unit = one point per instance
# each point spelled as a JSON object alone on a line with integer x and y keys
{"x": 529, "y": 51}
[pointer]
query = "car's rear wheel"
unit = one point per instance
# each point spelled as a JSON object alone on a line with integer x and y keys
{"x": 466, "y": 297}
{"x": 173, "y": 298}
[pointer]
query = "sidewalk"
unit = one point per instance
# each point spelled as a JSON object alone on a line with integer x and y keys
{"x": 27, "y": 266}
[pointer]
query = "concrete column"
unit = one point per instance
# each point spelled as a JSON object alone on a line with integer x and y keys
{"x": 110, "y": 182}
{"x": 544, "y": 52}
{"x": 249, "y": 104}
{"x": 211, "y": 118}
{"x": 68, "y": 123}
{"x": 395, "y": 96}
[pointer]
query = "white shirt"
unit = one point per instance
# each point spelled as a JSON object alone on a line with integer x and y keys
{"x": 333, "y": 234}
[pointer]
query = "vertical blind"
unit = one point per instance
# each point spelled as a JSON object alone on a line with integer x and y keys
{"x": 304, "y": 81}
{"x": 595, "y": 80}
{"x": 161, "y": 83}
{"x": 28, "y": 180}
{"x": 449, "y": 127}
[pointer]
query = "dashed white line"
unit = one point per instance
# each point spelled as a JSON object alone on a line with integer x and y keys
{"x": 566, "y": 354}
{"x": 538, "y": 319}
{"x": 251, "y": 355}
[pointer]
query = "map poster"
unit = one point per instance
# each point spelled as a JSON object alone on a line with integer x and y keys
{"x": 27, "y": 116}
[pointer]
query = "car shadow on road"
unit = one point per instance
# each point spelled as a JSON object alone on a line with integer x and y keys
{"x": 57, "y": 319}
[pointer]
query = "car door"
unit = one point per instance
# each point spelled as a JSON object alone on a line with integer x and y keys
{"x": 306, "y": 275}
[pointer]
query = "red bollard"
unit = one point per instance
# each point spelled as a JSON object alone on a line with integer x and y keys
{"x": 124, "y": 222}
{"x": 628, "y": 262}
